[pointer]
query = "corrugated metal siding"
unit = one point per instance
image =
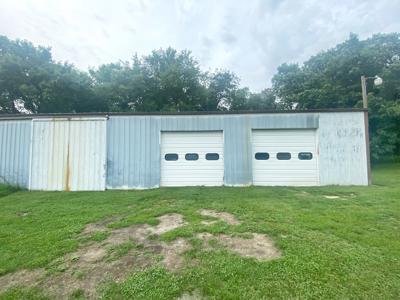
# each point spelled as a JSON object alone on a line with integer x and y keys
{"x": 133, "y": 148}
{"x": 68, "y": 154}
{"x": 237, "y": 147}
{"x": 342, "y": 152}
{"x": 133, "y": 152}
{"x": 133, "y": 145}
{"x": 15, "y": 139}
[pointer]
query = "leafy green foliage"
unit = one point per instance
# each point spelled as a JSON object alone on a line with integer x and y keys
{"x": 331, "y": 79}
{"x": 165, "y": 80}
{"x": 30, "y": 81}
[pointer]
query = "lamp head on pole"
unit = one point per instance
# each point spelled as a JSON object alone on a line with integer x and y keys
{"x": 378, "y": 80}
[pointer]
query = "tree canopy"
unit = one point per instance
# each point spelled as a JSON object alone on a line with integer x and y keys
{"x": 31, "y": 81}
{"x": 331, "y": 79}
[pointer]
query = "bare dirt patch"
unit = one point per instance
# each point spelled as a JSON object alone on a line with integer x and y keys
{"x": 259, "y": 246}
{"x": 91, "y": 228}
{"x": 101, "y": 226}
{"x": 167, "y": 223}
{"x": 208, "y": 222}
{"x": 172, "y": 253}
{"x": 224, "y": 216}
{"x": 91, "y": 265}
{"x": 90, "y": 254}
{"x": 132, "y": 248}
{"x": 24, "y": 277}
{"x": 137, "y": 233}
{"x": 89, "y": 276}
{"x": 140, "y": 233}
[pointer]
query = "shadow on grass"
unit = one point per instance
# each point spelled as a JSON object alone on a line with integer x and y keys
{"x": 6, "y": 190}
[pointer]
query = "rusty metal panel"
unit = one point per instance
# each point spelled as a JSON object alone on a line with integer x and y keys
{"x": 342, "y": 149}
{"x": 15, "y": 136}
{"x": 68, "y": 154}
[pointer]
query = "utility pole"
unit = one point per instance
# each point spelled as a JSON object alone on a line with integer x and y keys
{"x": 364, "y": 91}
{"x": 377, "y": 81}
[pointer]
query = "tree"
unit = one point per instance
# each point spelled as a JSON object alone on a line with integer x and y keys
{"x": 221, "y": 88}
{"x": 30, "y": 81}
{"x": 331, "y": 79}
{"x": 120, "y": 85}
{"x": 384, "y": 106}
{"x": 265, "y": 100}
{"x": 165, "y": 80}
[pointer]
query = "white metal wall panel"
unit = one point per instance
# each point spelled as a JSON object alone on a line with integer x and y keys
{"x": 68, "y": 154}
{"x": 293, "y": 172}
{"x": 342, "y": 148}
{"x": 191, "y": 173}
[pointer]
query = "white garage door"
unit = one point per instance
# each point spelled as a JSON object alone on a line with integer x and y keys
{"x": 192, "y": 158}
{"x": 285, "y": 157}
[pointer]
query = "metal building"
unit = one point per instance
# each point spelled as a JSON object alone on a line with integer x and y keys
{"x": 138, "y": 151}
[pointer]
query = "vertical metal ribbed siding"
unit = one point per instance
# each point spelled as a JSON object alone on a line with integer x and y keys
{"x": 15, "y": 136}
{"x": 237, "y": 150}
{"x": 68, "y": 154}
{"x": 133, "y": 147}
{"x": 133, "y": 152}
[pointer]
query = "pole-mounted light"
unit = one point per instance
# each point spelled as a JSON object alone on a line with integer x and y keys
{"x": 377, "y": 81}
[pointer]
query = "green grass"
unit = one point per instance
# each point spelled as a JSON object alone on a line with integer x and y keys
{"x": 96, "y": 236}
{"x": 120, "y": 250}
{"x": 337, "y": 249}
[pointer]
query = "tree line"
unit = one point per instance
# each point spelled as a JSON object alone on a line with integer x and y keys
{"x": 31, "y": 81}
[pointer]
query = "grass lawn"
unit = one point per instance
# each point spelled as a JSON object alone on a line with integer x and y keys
{"x": 336, "y": 248}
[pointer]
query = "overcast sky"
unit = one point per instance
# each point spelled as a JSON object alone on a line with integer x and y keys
{"x": 251, "y": 38}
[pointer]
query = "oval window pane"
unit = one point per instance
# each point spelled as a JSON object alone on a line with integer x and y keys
{"x": 191, "y": 156}
{"x": 212, "y": 156}
{"x": 283, "y": 155}
{"x": 261, "y": 156}
{"x": 171, "y": 156}
{"x": 305, "y": 156}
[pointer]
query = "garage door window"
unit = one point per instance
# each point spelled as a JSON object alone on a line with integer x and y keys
{"x": 191, "y": 156}
{"x": 212, "y": 156}
{"x": 261, "y": 156}
{"x": 283, "y": 156}
{"x": 305, "y": 156}
{"x": 171, "y": 156}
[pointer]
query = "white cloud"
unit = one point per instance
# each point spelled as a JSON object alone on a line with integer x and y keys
{"x": 250, "y": 38}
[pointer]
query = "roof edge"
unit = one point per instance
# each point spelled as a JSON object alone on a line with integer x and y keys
{"x": 186, "y": 113}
